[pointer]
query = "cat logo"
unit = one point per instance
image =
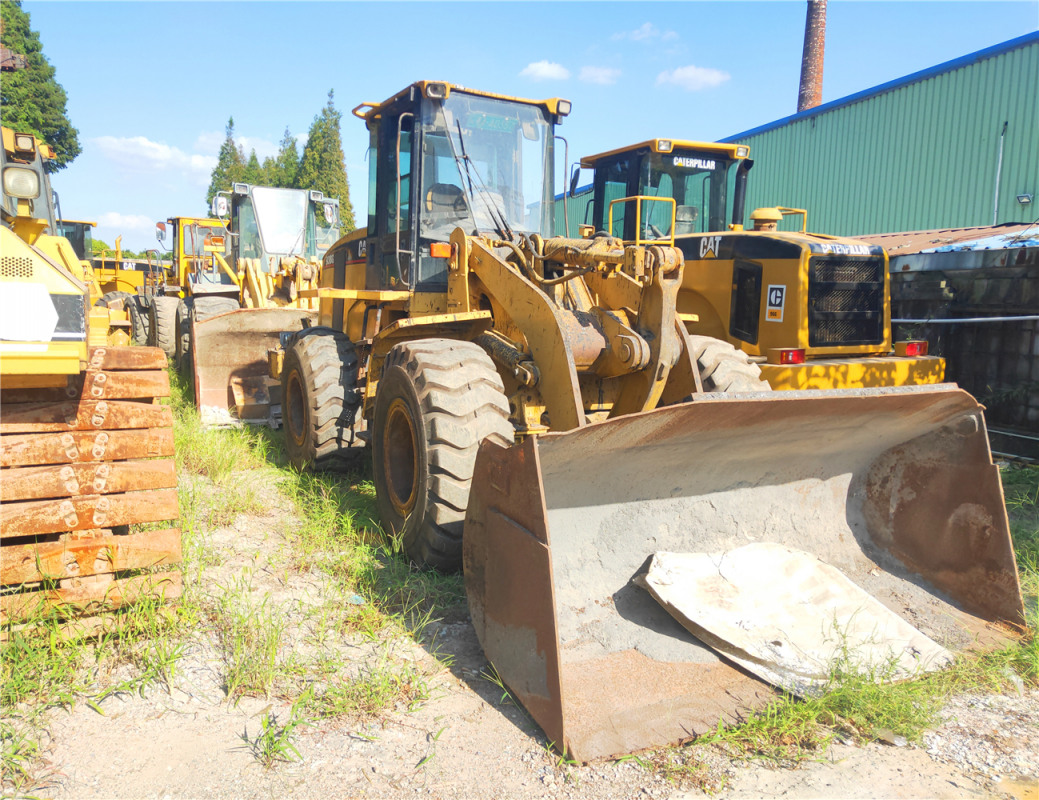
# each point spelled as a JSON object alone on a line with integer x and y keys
{"x": 709, "y": 246}
{"x": 774, "y": 308}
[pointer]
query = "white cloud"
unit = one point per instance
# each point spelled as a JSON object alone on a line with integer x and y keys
{"x": 209, "y": 142}
{"x": 693, "y": 78}
{"x": 604, "y": 76}
{"x": 545, "y": 71}
{"x": 646, "y": 32}
{"x": 126, "y": 223}
{"x": 137, "y": 153}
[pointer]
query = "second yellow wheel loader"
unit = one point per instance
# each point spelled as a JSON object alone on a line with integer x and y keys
{"x": 538, "y": 414}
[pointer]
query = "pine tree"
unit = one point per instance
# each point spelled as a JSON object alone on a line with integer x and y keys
{"x": 230, "y": 165}
{"x": 286, "y": 164}
{"x": 322, "y": 166}
{"x": 31, "y": 100}
{"x": 253, "y": 170}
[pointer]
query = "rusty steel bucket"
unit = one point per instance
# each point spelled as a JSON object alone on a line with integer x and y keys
{"x": 894, "y": 487}
{"x": 230, "y": 364}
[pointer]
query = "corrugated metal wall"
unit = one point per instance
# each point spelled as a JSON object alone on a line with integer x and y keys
{"x": 922, "y": 154}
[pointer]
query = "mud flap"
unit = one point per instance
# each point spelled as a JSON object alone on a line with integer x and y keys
{"x": 893, "y": 487}
{"x": 230, "y": 369}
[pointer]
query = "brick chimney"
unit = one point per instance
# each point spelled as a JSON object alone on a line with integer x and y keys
{"x": 811, "y": 92}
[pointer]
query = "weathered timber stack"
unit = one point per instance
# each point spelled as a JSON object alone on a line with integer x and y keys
{"x": 80, "y": 467}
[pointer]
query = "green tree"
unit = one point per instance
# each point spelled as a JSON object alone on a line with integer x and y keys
{"x": 322, "y": 165}
{"x": 253, "y": 170}
{"x": 230, "y": 165}
{"x": 31, "y": 100}
{"x": 283, "y": 168}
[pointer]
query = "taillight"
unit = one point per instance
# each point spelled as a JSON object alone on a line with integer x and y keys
{"x": 911, "y": 348}
{"x": 786, "y": 355}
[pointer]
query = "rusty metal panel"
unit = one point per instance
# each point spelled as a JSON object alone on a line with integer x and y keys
{"x": 27, "y": 449}
{"x": 89, "y": 555}
{"x": 230, "y": 361}
{"x": 894, "y": 487}
{"x": 35, "y": 517}
{"x": 84, "y": 416}
{"x": 67, "y": 480}
{"x": 127, "y": 358}
{"x": 91, "y": 594}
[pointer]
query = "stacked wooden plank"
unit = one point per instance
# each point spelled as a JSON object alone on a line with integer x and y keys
{"x": 81, "y": 467}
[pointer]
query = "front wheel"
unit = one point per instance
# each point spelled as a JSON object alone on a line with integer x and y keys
{"x": 320, "y": 402}
{"x": 437, "y": 400}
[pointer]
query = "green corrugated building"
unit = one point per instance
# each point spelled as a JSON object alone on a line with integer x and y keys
{"x": 951, "y": 146}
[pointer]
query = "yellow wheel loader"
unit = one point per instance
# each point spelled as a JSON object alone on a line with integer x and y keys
{"x": 813, "y": 310}
{"x": 241, "y": 280}
{"x": 85, "y": 448}
{"x": 538, "y": 414}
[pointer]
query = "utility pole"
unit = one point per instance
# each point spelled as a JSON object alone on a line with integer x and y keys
{"x": 810, "y": 93}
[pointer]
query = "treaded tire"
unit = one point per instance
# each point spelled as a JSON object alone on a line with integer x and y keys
{"x": 183, "y": 337}
{"x": 320, "y": 403}
{"x": 163, "y": 324}
{"x": 723, "y": 368}
{"x": 437, "y": 400}
{"x": 139, "y": 320}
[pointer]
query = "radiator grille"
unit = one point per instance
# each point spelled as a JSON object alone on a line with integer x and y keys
{"x": 845, "y": 301}
{"x": 15, "y": 267}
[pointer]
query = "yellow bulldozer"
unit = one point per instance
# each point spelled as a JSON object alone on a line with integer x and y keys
{"x": 812, "y": 311}
{"x": 241, "y": 280}
{"x": 538, "y": 414}
{"x": 85, "y": 447}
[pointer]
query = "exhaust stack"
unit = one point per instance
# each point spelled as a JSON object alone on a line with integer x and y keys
{"x": 810, "y": 93}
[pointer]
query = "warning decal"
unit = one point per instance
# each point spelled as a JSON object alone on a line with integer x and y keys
{"x": 774, "y": 308}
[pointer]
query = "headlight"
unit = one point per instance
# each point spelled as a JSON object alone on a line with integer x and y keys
{"x": 436, "y": 91}
{"x": 742, "y": 151}
{"x": 563, "y": 108}
{"x": 21, "y": 183}
{"x": 664, "y": 146}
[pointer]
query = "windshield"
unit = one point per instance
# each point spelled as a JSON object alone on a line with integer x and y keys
{"x": 79, "y": 236}
{"x": 487, "y": 167}
{"x": 322, "y": 227}
{"x": 700, "y": 184}
{"x": 281, "y": 216}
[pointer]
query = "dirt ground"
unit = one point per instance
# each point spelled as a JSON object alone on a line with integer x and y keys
{"x": 465, "y": 741}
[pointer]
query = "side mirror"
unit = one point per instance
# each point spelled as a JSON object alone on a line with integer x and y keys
{"x": 330, "y": 213}
{"x": 219, "y": 207}
{"x": 160, "y": 231}
{"x": 573, "y": 180}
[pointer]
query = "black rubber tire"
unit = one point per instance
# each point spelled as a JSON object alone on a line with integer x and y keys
{"x": 320, "y": 402}
{"x": 437, "y": 400}
{"x": 183, "y": 337}
{"x": 724, "y": 368}
{"x": 139, "y": 320}
{"x": 163, "y": 328}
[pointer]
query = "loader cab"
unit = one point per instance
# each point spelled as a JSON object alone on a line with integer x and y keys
{"x": 80, "y": 235}
{"x": 443, "y": 157}
{"x": 268, "y": 223}
{"x": 634, "y": 188}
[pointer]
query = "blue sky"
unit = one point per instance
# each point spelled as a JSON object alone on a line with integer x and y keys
{"x": 151, "y": 85}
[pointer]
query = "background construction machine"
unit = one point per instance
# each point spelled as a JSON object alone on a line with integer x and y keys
{"x": 85, "y": 449}
{"x": 542, "y": 395}
{"x": 814, "y": 310}
{"x": 240, "y": 284}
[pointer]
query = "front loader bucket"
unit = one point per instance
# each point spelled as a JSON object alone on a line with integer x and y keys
{"x": 230, "y": 368}
{"x": 895, "y": 488}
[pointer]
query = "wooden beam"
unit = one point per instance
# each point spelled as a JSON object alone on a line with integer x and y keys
{"x": 102, "y": 552}
{"x": 86, "y": 596}
{"x": 30, "y": 449}
{"x": 70, "y": 480}
{"x": 34, "y": 517}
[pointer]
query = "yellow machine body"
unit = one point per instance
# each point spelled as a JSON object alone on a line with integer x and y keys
{"x": 763, "y": 290}
{"x": 540, "y": 413}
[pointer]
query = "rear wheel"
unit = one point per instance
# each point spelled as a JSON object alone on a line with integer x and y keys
{"x": 163, "y": 324}
{"x": 183, "y": 337}
{"x": 437, "y": 400}
{"x": 723, "y": 368}
{"x": 139, "y": 320}
{"x": 199, "y": 308}
{"x": 320, "y": 403}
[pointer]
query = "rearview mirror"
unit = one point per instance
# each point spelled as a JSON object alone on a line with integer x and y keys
{"x": 330, "y": 213}
{"x": 219, "y": 206}
{"x": 160, "y": 231}
{"x": 573, "y": 181}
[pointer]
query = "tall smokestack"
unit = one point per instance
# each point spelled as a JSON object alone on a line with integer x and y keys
{"x": 811, "y": 92}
